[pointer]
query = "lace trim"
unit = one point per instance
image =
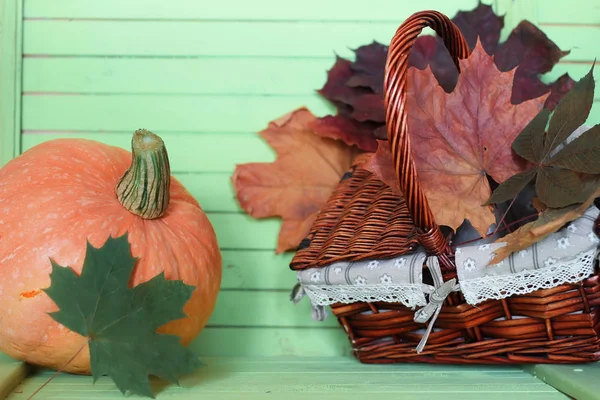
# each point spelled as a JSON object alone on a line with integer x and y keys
{"x": 410, "y": 295}
{"x": 501, "y": 286}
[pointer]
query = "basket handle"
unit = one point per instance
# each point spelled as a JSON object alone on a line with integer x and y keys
{"x": 395, "y": 87}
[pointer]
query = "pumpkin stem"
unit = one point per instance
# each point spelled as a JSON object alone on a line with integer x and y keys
{"x": 144, "y": 188}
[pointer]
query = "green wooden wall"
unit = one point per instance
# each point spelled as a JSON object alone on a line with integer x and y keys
{"x": 207, "y": 75}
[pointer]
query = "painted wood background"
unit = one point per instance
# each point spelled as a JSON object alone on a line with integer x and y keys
{"x": 207, "y": 76}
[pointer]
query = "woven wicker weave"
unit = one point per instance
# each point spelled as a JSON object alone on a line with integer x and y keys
{"x": 363, "y": 219}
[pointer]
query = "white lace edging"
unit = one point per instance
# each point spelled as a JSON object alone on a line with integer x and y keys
{"x": 501, "y": 286}
{"x": 410, "y": 295}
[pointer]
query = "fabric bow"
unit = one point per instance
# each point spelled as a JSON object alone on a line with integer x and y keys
{"x": 319, "y": 313}
{"x": 436, "y": 299}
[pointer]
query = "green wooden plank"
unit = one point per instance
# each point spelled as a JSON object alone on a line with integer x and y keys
{"x": 581, "y": 40}
{"x": 177, "y": 113}
{"x": 261, "y": 269}
{"x": 226, "y": 114}
{"x": 580, "y": 12}
{"x": 213, "y": 191}
{"x": 332, "y": 10}
{"x": 282, "y": 39}
{"x": 577, "y": 381}
{"x": 243, "y": 308}
{"x": 12, "y": 373}
{"x": 265, "y": 378}
{"x": 346, "y": 364}
{"x": 270, "y": 76}
{"x": 268, "y": 392}
{"x": 219, "y": 75}
{"x": 295, "y": 381}
{"x": 219, "y": 38}
{"x": 575, "y": 70}
{"x": 242, "y": 232}
{"x": 188, "y": 152}
{"x": 514, "y": 12}
{"x": 271, "y": 342}
{"x": 10, "y": 78}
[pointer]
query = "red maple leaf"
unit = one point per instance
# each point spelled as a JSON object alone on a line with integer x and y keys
{"x": 356, "y": 88}
{"x": 461, "y": 138}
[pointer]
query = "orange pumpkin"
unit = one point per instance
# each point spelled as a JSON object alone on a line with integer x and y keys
{"x": 59, "y": 194}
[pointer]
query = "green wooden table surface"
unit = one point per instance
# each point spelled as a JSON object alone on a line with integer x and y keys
{"x": 296, "y": 378}
{"x": 11, "y": 374}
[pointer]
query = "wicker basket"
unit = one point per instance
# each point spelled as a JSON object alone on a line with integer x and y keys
{"x": 364, "y": 220}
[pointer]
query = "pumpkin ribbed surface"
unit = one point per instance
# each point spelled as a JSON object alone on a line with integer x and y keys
{"x": 61, "y": 193}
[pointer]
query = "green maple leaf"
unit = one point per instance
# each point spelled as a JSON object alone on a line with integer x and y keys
{"x": 565, "y": 177}
{"x": 121, "y": 322}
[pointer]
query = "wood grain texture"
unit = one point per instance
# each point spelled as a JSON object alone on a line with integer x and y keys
{"x": 579, "y": 39}
{"x": 261, "y": 76}
{"x": 219, "y": 198}
{"x": 331, "y": 10}
{"x": 202, "y": 152}
{"x": 254, "y": 270}
{"x": 12, "y": 374}
{"x": 213, "y": 148}
{"x": 270, "y": 76}
{"x": 262, "y": 39}
{"x": 239, "y": 231}
{"x": 310, "y": 378}
{"x": 201, "y": 39}
{"x": 10, "y": 78}
{"x": 177, "y": 113}
{"x": 272, "y": 342}
{"x": 264, "y": 308}
{"x": 580, "y": 12}
{"x": 577, "y": 381}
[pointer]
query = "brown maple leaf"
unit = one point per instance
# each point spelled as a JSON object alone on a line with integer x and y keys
{"x": 380, "y": 164}
{"x": 549, "y": 221}
{"x": 356, "y": 88}
{"x": 299, "y": 182}
{"x": 350, "y": 125}
{"x": 461, "y": 138}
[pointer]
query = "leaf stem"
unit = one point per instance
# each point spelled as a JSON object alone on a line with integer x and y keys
{"x": 59, "y": 370}
{"x": 508, "y": 226}
{"x": 502, "y": 220}
{"x": 144, "y": 189}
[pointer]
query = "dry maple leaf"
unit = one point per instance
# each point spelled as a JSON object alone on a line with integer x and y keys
{"x": 380, "y": 164}
{"x": 461, "y": 138}
{"x": 527, "y": 49}
{"x": 349, "y": 125}
{"x": 356, "y": 88}
{"x": 480, "y": 23}
{"x": 548, "y": 222}
{"x": 299, "y": 182}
